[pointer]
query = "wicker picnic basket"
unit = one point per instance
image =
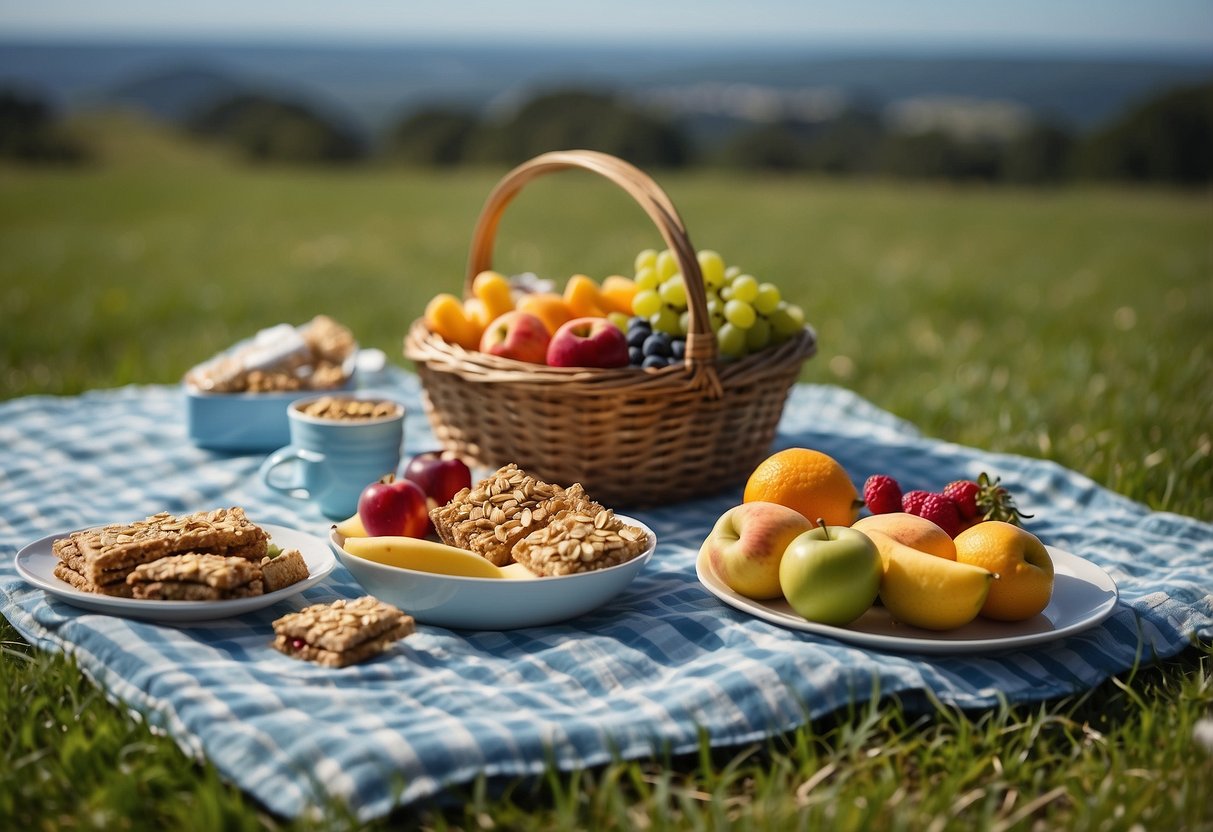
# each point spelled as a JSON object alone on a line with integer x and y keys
{"x": 630, "y": 436}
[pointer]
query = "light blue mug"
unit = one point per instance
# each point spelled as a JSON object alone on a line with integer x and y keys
{"x": 335, "y": 458}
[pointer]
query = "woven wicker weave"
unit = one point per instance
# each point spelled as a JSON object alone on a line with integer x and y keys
{"x": 630, "y": 436}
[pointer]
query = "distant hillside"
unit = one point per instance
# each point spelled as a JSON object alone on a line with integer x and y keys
{"x": 376, "y": 85}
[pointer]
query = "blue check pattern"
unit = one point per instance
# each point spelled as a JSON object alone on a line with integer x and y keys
{"x": 646, "y": 674}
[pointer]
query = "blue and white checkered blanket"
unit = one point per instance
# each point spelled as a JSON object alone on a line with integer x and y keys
{"x": 643, "y": 675}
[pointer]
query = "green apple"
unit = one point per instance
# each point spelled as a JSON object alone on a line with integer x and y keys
{"x": 831, "y": 574}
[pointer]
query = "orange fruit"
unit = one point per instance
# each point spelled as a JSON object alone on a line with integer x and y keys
{"x": 808, "y": 481}
{"x": 1021, "y": 562}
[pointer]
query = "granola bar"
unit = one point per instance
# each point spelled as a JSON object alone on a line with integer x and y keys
{"x": 195, "y": 577}
{"x": 283, "y": 570}
{"x": 68, "y": 575}
{"x": 500, "y": 510}
{"x": 580, "y": 541}
{"x": 341, "y": 633}
{"x": 110, "y": 551}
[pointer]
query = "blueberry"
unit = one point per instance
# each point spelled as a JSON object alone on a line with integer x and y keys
{"x": 657, "y": 361}
{"x": 638, "y": 322}
{"x": 635, "y": 356}
{"x": 678, "y": 349}
{"x": 636, "y": 337}
{"x": 657, "y": 344}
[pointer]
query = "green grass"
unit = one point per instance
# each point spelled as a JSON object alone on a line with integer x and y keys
{"x": 1068, "y": 324}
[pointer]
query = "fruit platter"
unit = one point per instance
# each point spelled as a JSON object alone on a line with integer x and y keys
{"x": 929, "y": 572}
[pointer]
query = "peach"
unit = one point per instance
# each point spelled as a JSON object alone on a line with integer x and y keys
{"x": 747, "y": 543}
{"x": 910, "y": 530}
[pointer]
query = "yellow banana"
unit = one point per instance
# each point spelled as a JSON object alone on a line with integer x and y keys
{"x": 351, "y": 527}
{"x": 931, "y": 592}
{"x": 422, "y": 555}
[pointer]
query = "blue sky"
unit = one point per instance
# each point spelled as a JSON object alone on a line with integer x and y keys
{"x": 1096, "y": 24}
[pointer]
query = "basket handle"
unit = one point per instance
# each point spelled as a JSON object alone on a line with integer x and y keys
{"x": 701, "y": 340}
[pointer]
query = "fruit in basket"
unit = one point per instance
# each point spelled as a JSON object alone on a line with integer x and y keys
{"x": 909, "y": 530}
{"x": 830, "y": 574}
{"x": 809, "y": 481}
{"x": 446, "y": 317}
{"x": 582, "y": 296}
{"x": 517, "y": 335}
{"x": 547, "y": 307}
{"x": 747, "y": 543}
{"x": 393, "y": 506}
{"x": 1021, "y": 561}
{"x": 493, "y": 292}
{"x": 588, "y": 342}
{"x": 440, "y": 476}
{"x": 618, "y": 292}
{"x": 926, "y": 591}
{"x": 746, "y": 315}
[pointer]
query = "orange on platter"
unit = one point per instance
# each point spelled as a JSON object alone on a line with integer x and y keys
{"x": 1021, "y": 562}
{"x": 810, "y": 482}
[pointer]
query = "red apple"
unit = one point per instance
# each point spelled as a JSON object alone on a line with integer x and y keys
{"x": 588, "y": 342}
{"x": 441, "y": 478}
{"x": 392, "y": 507}
{"x": 517, "y": 335}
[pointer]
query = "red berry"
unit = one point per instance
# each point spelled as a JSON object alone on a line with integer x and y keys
{"x": 941, "y": 511}
{"x": 964, "y": 494}
{"x": 912, "y": 502}
{"x": 882, "y": 494}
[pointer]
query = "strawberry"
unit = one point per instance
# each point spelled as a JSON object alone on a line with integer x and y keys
{"x": 996, "y": 503}
{"x": 912, "y": 502}
{"x": 941, "y": 510}
{"x": 882, "y": 494}
{"x": 964, "y": 494}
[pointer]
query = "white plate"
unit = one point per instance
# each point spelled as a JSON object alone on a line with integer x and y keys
{"x": 36, "y": 564}
{"x": 493, "y": 603}
{"x": 1083, "y": 596}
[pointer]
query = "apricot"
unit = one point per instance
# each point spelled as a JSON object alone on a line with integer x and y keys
{"x": 617, "y": 292}
{"x": 445, "y": 317}
{"x": 547, "y": 307}
{"x": 493, "y": 290}
{"x": 583, "y": 298}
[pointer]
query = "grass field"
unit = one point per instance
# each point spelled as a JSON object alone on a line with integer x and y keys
{"x": 1072, "y": 325}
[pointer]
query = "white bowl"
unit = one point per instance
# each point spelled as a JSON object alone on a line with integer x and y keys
{"x": 493, "y": 603}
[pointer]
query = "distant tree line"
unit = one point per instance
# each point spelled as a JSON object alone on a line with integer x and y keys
{"x": 1164, "y": 139}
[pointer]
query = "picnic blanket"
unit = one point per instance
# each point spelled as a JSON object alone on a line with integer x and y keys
{"x": 645, "y": 674}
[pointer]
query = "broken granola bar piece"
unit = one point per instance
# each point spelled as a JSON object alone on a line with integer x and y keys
{"x": 283, "y": 569}
{"x": 341, "y": 633}
{"x": 67, "y": 574}
{"x": 195, "y": 577}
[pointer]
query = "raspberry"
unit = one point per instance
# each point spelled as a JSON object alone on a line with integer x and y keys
{"x": 912, "y": 502}
{"x": 964, "y": 494}
{"x": 882, "y": 494}
{"x": 941, "y": 510}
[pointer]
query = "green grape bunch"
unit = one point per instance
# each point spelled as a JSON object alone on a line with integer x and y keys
{"x": 746, "y": 315}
